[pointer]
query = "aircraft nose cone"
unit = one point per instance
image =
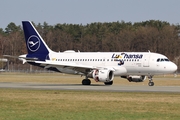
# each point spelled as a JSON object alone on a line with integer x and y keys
{"x": 173, "y": 67}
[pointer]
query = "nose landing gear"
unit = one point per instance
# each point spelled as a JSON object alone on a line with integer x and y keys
{"x": 151, "y": 83}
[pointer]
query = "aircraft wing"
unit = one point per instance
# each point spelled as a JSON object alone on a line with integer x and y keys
{"x": 74, "y": 66}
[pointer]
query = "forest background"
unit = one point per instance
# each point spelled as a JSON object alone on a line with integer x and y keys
{"x": 153, "y": 35}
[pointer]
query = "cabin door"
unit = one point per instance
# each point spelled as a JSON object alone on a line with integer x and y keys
{"x": 146, "y": 60}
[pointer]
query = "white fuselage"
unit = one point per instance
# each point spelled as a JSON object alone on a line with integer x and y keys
{"x": 135, "y": 63}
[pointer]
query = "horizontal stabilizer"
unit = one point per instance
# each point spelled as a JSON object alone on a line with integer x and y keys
{"x": 26, "y": 58}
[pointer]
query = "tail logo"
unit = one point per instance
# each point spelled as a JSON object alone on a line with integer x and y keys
{"x": 33, "y": 43}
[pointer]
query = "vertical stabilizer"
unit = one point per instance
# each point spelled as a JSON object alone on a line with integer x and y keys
{"x": 36, "y": 46}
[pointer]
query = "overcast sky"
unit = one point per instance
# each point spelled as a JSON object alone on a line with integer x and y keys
{"x": 88, "y": 11}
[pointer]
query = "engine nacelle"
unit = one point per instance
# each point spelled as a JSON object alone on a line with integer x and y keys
{"x": 103, "y": 75}
{"x": 135, "y": 78}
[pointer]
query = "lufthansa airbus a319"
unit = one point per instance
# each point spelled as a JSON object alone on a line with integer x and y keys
{"x": 100, "y": 66}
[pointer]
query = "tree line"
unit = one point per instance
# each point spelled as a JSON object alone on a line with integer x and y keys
{"x": 153, "y": 35}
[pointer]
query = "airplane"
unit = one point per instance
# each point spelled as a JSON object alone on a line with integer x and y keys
{"x": 100, "y": 66}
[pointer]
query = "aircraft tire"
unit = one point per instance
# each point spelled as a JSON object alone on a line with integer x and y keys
{"x": 86, "y": 82}
{"x": 151, "y": 83}
{"x": 108, "y": 83}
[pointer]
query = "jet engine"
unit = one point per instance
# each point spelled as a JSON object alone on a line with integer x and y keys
{"x": 135, "y": 78}
{"x": 102, "y": 75}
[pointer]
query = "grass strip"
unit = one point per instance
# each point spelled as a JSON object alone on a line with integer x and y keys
{"x": 87, "y": 105}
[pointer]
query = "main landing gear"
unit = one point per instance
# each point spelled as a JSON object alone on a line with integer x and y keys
{"x": 86, "y": 81}
{"x": 108, "y": 83}
{"x": 151, "y": 83}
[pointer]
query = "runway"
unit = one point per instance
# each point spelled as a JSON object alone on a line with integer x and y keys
{"x": 79, "y": 87}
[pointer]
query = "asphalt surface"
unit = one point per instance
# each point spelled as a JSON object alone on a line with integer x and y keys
{"x": 79, "y": 87}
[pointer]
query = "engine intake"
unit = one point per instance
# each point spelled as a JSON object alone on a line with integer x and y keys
{"x": 103, "y": 75}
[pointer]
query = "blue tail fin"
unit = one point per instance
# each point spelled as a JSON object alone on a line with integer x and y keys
{"x": 36, "y": 46}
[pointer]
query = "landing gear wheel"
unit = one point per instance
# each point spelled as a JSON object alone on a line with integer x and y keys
{"x": 108, "y": 83}
{"x": 86, "y": 82}
{"x": 151, "y": 83}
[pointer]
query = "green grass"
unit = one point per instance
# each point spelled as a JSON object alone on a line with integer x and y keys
{"x": 87, "y": 105}
{"x": 22, "y": 104}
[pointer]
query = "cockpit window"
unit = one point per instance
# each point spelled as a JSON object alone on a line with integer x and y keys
{"x": 162, "y": 59}
{"x": 166, "y": 59}
{"x": 158, "y": 59}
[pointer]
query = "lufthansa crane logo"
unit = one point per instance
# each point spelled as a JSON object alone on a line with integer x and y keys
{"x": 33, "y": 43}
